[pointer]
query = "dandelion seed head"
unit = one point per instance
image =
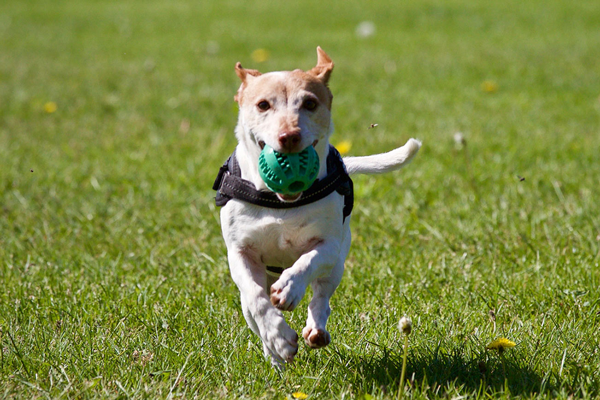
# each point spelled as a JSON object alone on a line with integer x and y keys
{"x": 405, "y": 325}
{"x": 365, "y": 29}
{"x": 459, "y": 138}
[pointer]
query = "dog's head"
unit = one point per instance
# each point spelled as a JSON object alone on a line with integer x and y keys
{"x": 288, "y": 110}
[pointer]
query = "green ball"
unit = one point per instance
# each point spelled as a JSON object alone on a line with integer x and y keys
{"x": 288, "y": 173}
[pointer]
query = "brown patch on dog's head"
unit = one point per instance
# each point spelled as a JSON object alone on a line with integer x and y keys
{"x": 322, "y": 73}
{"x": 313, "y": 84}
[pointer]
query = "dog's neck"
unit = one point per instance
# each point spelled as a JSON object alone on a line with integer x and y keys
{"x": 248, "y": 152}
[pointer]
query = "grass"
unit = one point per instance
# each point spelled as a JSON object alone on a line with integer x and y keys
{"x": 114, "y": 282}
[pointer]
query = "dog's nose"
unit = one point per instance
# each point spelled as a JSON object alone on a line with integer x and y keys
{"x": 290, "y": 139}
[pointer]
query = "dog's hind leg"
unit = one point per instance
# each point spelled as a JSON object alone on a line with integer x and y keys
{"x": 314, "y": 333}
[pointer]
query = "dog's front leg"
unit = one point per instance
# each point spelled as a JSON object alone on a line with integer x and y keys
{"x": 289, "y": 289}
{"x": 280, "y": 342}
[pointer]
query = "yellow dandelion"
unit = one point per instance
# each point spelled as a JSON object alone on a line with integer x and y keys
{"x": 260, "y": 55}
{"x": 299, "y": 395}
{"x": 489, "y": 86}
{"x": 500, "y": 344}
{"x": 50, "y": 107}
{"x": 344, "y": 147}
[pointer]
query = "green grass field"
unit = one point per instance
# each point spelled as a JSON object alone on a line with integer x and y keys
{"x": 114, "y": 119}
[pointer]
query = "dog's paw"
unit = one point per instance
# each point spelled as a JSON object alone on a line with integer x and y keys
{"x": 316, "y": 338}
{"x": 276, "y": 362}
{"x": 281, "y": 343}
{"x": 286, "y": 293}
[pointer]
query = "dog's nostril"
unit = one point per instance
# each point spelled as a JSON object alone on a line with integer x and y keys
{"x": 289, "y": 139}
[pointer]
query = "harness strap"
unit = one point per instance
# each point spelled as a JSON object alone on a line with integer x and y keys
{"x": 230, "y": 185}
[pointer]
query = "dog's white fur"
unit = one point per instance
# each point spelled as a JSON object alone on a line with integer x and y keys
{"x": 310, "y": 242}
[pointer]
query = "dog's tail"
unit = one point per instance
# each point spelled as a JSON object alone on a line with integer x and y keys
{"x": 384, "y": 162}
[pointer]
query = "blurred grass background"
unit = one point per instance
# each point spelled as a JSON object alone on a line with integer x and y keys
{"x": 114, "y": 119}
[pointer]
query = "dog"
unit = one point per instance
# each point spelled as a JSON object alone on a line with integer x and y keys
{"x": 277, "y": 247}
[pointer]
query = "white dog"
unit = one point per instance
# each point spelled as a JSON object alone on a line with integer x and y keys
{"x": 279, "y": 244}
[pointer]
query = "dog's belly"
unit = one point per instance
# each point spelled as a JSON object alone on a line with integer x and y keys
{"x": 279, "y": 237}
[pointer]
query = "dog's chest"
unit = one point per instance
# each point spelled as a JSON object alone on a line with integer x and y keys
{"x": 280, "y": 237}
{"x": 280, "y": 242}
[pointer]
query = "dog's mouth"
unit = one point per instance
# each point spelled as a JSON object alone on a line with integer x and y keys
{"x": 289, "y": 198}
{"x": 261, "y": 144}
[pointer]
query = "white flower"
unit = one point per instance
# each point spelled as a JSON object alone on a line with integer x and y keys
{"x": 365, "y": 29}
{"x": 459, "y": 138}
{"x": 405, "y": 325}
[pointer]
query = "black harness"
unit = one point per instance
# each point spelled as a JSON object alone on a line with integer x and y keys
{"x": 230, "y": 185}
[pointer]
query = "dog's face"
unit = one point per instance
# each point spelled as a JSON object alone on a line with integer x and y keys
{"x": 287, "y": 110}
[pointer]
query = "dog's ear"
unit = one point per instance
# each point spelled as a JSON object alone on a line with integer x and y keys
{"x": 324, "y": 66}
{"x": 243, "y": 74}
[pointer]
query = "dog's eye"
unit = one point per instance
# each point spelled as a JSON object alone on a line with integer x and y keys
{"x": 310, "y": 104}
{"x": 263, "y": 105}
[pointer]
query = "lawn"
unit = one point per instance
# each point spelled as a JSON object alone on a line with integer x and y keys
{"x": 114, "y": 119}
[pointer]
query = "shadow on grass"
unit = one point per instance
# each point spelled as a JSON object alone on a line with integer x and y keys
{"x": 437, "y": 372}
